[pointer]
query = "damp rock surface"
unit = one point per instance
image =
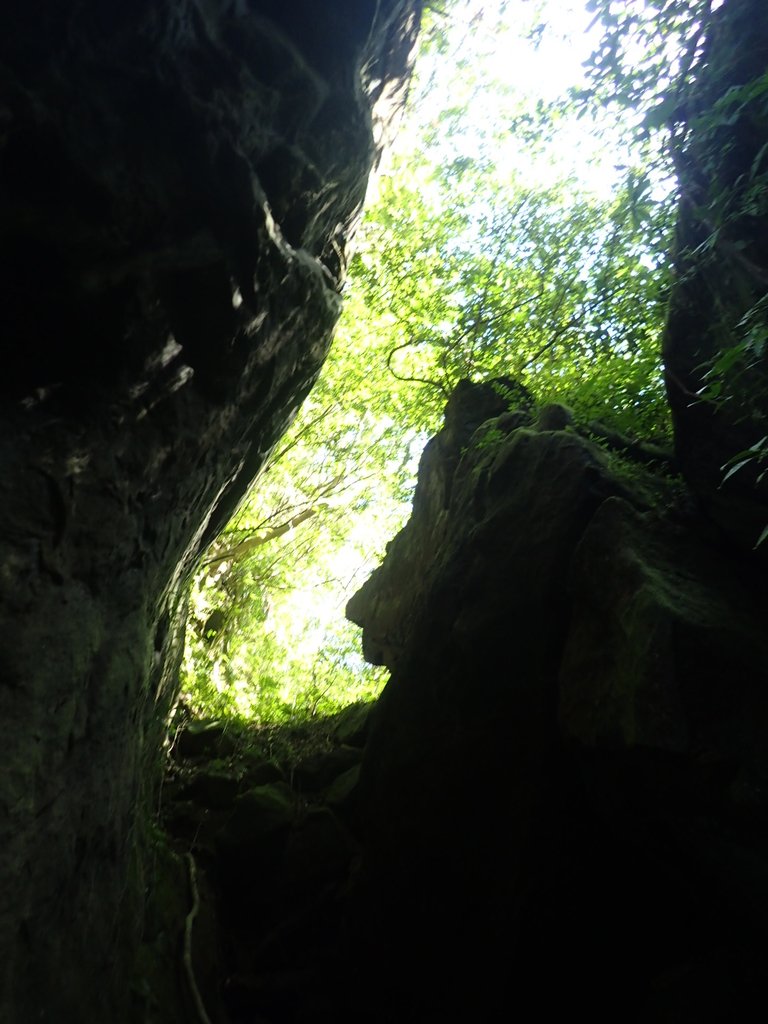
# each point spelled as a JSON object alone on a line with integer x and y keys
{"x": 178, "y": 184}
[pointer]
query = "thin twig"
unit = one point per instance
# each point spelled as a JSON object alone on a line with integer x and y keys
{"x": 414, "y": 380}
{"x": 199, "y": 1005}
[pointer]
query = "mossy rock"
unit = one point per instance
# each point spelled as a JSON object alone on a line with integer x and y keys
{"x": 260, "y": 812}
{"x": 318, "y": 771}
{"x": 353, "y": 724}
{"x": 204, "y": 737}
{"x": 213, "y": 789}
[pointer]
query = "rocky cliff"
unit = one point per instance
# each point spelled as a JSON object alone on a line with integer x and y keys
{"x": 714, "y": 345}
{"x": 558, "y": 801}
{"x": 564, "y": 789}
{"x": 179, "y": 180}
{"x": 564, "y": 796}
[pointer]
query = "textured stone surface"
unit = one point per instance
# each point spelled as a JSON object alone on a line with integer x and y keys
{"x": 565, "y": 777}
{"x": 177, "y": 185}
{"x": 666, "y": 646}
{"x": 721, "y": 273}
{"x": 418, "y": 550}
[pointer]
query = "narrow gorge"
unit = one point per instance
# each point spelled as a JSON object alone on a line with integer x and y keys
{"x": 559, "y": 802}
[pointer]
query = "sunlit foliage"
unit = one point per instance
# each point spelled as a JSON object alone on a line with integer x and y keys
{"x": 470, "y": 263}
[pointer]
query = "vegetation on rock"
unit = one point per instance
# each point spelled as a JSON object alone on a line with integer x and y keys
{"x": 470, "y": 263}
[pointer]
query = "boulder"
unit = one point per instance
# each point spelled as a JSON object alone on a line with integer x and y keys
{"x": 566, "y": 773}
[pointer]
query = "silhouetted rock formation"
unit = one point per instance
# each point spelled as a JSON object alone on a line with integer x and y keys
{"x": 718, "y": 299}
{"x": 564, "y": 796}
{"x": 178, "y": 183}
{"x": 562, "y": 800}
{"x": 565, "y": 790}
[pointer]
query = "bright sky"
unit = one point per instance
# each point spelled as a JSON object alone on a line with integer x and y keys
{"x": 545, "y": 70}
{"x": 498, "y": 64}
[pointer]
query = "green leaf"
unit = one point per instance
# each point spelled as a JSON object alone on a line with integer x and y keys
{"x": 735, "y": 469}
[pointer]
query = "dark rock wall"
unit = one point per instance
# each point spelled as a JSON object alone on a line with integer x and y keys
{"x": 718, "y": 300}
{"x": 178, "y": 181}
{"x": 564, "y": 788}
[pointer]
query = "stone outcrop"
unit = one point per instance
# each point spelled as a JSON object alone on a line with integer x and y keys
{"x": 178, "y": 183}
{"x": 564, "y": 796}
{"x": 718, "y": 322}
{"x": 565, "y": 789}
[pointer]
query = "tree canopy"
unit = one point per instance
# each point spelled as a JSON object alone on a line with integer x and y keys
{"x": 510, "y": 232}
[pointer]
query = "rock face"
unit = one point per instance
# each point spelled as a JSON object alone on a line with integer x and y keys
{"x": 177, "y": 186}
{"x": 717, "y": 315}
{"x": 565, "y": 789}
{"x": 564, "y": 796}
